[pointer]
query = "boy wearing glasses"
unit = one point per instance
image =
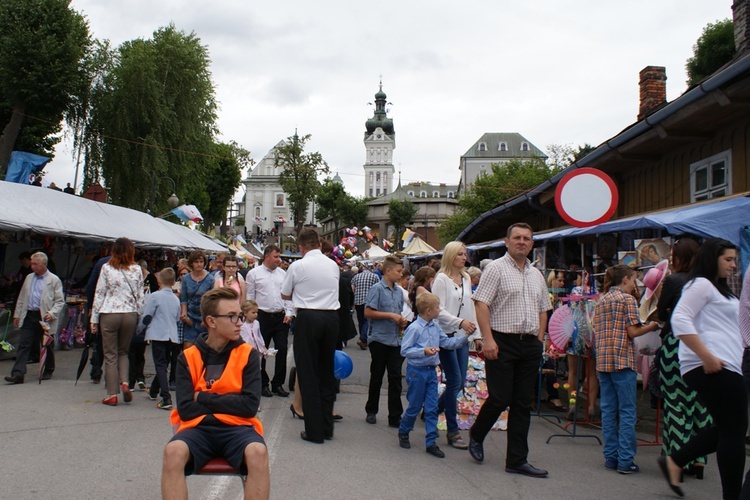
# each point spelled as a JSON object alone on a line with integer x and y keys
{"x": 218, "y": 391}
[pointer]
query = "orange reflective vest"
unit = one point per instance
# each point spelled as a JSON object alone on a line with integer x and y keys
{"x": 230, "y": 382}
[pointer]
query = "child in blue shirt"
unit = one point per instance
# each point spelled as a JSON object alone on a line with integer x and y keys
{"x": 420, "y": 345}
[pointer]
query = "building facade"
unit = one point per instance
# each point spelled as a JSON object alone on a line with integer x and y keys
{"x": 380, "y": 141}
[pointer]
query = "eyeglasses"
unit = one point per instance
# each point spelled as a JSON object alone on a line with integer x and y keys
{"x": 233, "y": 318}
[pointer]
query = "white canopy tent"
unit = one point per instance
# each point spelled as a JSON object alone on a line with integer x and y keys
{"x": 51, "y": 212}
{"x": 376, "y": 253}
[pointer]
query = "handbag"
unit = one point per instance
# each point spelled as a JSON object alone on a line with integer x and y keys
{"x": 138, "y": 337}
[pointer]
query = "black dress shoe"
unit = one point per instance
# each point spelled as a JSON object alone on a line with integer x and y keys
{"x": 303, "y": 435}
{"x": 370, "y": 419}
{"x": 394, "y": 423}
{"x": 435, "y": 451}
{"x": 527, "y": 470}
{"x": 14, "y": 379}
{"x": 266, "y": 392}
{"x": 279, "y": 391}
{"x": 476, "y": 450}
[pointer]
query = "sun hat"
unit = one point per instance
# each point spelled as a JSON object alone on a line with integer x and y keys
{"x": 654, "y": 277}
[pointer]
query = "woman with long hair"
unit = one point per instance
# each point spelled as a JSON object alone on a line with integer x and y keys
{"x": 194, "y": 285}
{"x": 230, "y": 277}
{"x": 117, "y": 302}
{"x": 452, "y": 286}
{"x": 616, "y": 323}
{"x": 422, "y": 282}
{"x": 683, "y": 413}
{"x": 706, "y": 321}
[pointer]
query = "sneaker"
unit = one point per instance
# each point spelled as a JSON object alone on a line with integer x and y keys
{"x": 403, "y": 441}
{"x": 172, "y": 387}
{"x": 610, "y": 464}
{"x": 503, "y": 421}
{"x": 152, "y": 396}
{"x": 629, "y": 470}
{"x": 435, "y": 451}
{"x": 164, "y": 404}
{"x": 140, "y": 385}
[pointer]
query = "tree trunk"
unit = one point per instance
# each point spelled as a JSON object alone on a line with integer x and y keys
{"x": 10, "y": 134}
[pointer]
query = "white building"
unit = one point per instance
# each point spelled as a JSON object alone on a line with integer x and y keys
{"x": 494, "y": 148}
{"x": 380, "y": 141}
{"x": 266, "y": 205}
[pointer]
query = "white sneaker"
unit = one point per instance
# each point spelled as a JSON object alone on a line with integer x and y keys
{"x": 503, "y": 421}
{"x": 140, "y": 385}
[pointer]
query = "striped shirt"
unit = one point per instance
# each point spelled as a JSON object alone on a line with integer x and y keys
{"x": 614, "y": 349}
{"x": 515, "y": 296}
{"x": 362, "y": 282}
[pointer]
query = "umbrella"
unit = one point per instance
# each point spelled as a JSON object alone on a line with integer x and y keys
{"x": 46, "y": 341}
{"x": 84, "y": 358}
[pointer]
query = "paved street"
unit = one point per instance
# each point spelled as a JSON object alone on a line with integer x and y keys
{"x": 58, "y": 441}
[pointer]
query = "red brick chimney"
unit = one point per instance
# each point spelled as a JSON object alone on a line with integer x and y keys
{"x": 653, "y": 86}
{"x": 740, "y": 14}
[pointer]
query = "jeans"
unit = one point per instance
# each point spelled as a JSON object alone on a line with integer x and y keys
{"x": 618, "y": 403}
{"x": 511, "y": 379}
{"x": 454, "y": 363}
{"x": 363, "y": 322}
{"x": 385, "y": 357}
{"x": 422, "y": 389}
{"x": 725, "y": 397}
{"x": 161, "y": 350}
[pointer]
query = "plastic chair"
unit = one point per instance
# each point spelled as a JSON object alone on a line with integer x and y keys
{"x": 220, "y": 467}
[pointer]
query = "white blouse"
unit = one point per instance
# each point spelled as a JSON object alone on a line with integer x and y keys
{"x": 452, "y": 297}
{"x": 118, "y": 291}
{"x": 702, "y": 310}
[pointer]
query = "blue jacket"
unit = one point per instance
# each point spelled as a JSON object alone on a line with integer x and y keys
{"x": 421, "y": 334}
{"x": 160, "y": 316}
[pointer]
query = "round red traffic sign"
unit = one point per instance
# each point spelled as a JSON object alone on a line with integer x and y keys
{"x": 586, "y": 197}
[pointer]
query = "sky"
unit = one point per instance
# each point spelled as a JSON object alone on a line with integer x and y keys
{"x": 555, "y": 72}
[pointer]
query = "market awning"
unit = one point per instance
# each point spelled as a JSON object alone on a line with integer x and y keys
{"x": 51, "y": 212}
{"x": 715, "y": 219}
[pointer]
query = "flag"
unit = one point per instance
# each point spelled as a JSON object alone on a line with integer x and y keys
{"x": 22, "y": 165}
{"x": 407, "y": 237}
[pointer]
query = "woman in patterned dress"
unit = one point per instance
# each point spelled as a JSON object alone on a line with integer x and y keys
{"x": 683, "y": 414}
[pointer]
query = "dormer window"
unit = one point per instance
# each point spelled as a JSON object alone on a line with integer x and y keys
{"x": 524, "y": 146}
{"x": 436, "y": 194}
{"x": 410, "y": 193}
{"x": 451, "y": 194}
{"x": 503, "y": 146}
{"x": 482, "y": 146}
{"x": 423, "y": 194}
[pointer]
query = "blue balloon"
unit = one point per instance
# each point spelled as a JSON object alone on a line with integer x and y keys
{"x": 342, "y": 365}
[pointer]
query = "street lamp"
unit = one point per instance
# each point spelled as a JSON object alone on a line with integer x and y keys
{"x": 173, "y": 200}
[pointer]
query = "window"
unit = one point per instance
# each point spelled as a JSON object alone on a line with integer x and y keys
{"x": 482, "y": 146}
{"x": 257, "y": 211}
{"x": 410, "y": 193}
{"x": 451, "y": 194}
{"x": 423, "y": 194}
{"x": 385, "y": 190}
{"x": 377, "y": 177}
{"x": 711, "y": 177}
{"x": 377, "y": 192}
{"x": 370, "y": 192}
{"x": 524, "y": 146}
{"x": 436, "y": 194}
{"x": 503, "y": 146}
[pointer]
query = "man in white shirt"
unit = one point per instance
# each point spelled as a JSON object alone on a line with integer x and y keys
{"x": 274, "y": 315}
{"x": 312, "y": 284}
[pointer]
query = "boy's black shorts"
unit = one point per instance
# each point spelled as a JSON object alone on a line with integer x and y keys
{"x": 209, "y": 441}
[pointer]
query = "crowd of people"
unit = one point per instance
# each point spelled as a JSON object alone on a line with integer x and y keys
{"x": 211, "y": 332}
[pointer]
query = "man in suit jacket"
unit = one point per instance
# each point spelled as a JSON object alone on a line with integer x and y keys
{"x": 41, "y": 299}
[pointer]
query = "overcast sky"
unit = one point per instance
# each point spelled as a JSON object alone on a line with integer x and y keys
{"x": 556, "y": 72}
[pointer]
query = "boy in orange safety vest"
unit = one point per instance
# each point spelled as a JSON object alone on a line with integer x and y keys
{"x": 218, "y": 392}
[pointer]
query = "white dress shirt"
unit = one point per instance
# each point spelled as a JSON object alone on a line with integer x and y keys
{"x": 264, "y": 287}
{"x": 313, "y": 282}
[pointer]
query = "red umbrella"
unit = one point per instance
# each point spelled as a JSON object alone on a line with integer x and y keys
{"x": 46, "y": 341}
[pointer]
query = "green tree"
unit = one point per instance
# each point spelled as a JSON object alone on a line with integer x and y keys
{"x": 224, "y": 171}
{"x": 299, "y": 175}
{"x": 153, "y": 116}
{"x": 714, "y": 48}
{"x": 356, "y": 211}
{"x": 506, "y": 181}
{"x": 239, "y": 221}
{"x": 42, "y": 45}
{"x": 401, "y": 213}
{"x": 332, "y": 201}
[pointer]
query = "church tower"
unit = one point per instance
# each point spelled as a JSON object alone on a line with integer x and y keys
{"x": 380, "y": 141}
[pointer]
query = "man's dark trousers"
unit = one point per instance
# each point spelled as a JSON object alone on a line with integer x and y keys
{"x": 30, "y": 333}
{"x": 511, "y": 379}
{"x": 363, "y": 323}
{"x": 272, "y": 327}
{"x": 315, "y": 336}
